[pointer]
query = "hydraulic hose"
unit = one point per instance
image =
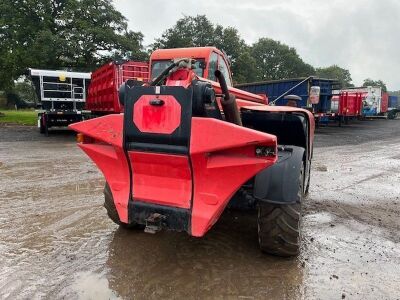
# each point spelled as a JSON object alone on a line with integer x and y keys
{"x": 228, "y": 102}
{"x": 164, "y": 73}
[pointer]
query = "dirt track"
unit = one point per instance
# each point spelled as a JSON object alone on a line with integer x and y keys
{"x": 57, "y": 242}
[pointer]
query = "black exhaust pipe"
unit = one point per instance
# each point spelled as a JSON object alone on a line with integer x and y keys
{"x": 228, "y": 102}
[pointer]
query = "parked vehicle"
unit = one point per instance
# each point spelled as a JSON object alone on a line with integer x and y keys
{"x": 393, "y": 102}
{"x": 393, "y": 107}
{"x": 374, "y": 101}
{"x": 346, "y": 106}
{"x": 62, "y": 97}
{"x": 384, "y": 104}
{"x": 315, "y": 92}
{"x": 188, "y": 143}
{"x": 105, "y": 82}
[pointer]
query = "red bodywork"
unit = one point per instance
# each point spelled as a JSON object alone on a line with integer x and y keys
{"x": 384, "y": 102}
{"x": 103, "y": 89}
{"x": 350, "y": 104}
{"x": 221, "y": 157}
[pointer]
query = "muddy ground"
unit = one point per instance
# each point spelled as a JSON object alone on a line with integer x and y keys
{"x": 56, "y": 241}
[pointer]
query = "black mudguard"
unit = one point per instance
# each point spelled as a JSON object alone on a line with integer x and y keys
{"x": 278, "y": 184}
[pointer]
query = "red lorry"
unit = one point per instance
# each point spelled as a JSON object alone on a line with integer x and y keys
{"x": 188, "y": 143}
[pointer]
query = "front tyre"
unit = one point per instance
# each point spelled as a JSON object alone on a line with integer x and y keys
{"x": 279, "y": 225}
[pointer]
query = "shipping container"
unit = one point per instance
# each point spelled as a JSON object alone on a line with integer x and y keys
{"x": 303, "y": 87}
{"x": 105, "y": 83}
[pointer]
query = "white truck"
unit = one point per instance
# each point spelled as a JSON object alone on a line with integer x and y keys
{"x": 62, "y": 97}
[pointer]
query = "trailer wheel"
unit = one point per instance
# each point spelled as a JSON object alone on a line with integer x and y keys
{"x": 392, "y": 115}
{"x": 112, "y": 211}
{"x": 42, "y": 129}
{"x": 279, "y": 225}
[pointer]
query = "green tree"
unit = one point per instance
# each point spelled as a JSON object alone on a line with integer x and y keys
{"x": 375, "y": 83}
{"x": 243, "y": 65}
{"x": 335, "y": 72}
{"x": 25, "y": 90}
{"x": 246, "y": 68}
{"x": 78, "y": 34}
{"x": 188, "y": 31}
{"x": 275, "y": 60}
{"x": 198, "y": 31}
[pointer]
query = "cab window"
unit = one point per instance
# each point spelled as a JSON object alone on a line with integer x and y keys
{"x": 212, "y": 66}
{"x": 158, "y": 66}
{"x": 224, "y": 70}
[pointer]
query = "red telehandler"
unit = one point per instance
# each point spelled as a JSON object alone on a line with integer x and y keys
{"x": 188, "y": 145}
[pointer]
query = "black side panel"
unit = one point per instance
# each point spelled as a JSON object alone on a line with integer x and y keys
{"x": 290, "y": 129}
{"x": 61, "y": 120}
{"x": 178, "y": 141}
{"x": 62, "y": 105}
{"x": 174, "y": 218}
{"x": 279, "y": 184}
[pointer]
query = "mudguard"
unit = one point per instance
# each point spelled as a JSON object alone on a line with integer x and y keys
{"x": 278, "y": 184}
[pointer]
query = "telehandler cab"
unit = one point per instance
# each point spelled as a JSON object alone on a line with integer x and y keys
{"x": 188, "y": 143}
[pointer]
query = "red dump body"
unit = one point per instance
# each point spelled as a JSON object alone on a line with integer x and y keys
{"x": 103, "y": 89}
{"x": 384, "y": 102}
{"x": 350, "y": 104}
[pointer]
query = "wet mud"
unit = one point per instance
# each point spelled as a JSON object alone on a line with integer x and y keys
{"x": 56, "y": 241}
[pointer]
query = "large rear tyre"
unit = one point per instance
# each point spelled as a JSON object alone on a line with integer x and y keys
{"x": 279, "y": 225}
{"x": 112, "y": 210}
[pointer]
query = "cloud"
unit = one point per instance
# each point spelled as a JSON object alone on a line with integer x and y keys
{"x": 360, "y": 35}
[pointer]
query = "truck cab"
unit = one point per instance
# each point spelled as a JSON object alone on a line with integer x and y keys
{"x": 208, "y": 60}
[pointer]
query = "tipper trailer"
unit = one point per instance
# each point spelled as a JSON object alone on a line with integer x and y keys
{"x": 315, "y": 93}
{"x": 105, "y": 82}
{"x": 374, "y": 101}
{"x": 188, "y": 143}
{"x": 346, "y": 105}
{"x": 62, "y": 97}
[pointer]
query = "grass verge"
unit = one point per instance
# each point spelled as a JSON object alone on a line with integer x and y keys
{"x": 21, "y": 117}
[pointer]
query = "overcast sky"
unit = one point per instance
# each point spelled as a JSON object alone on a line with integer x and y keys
{"x": 360, "y": 35}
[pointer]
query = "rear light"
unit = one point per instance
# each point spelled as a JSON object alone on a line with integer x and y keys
{"x": 80, "y": 138}
{"x": 84, "y": 139}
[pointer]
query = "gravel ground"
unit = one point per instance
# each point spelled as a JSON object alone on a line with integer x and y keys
{"x": 56, "y": 241}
